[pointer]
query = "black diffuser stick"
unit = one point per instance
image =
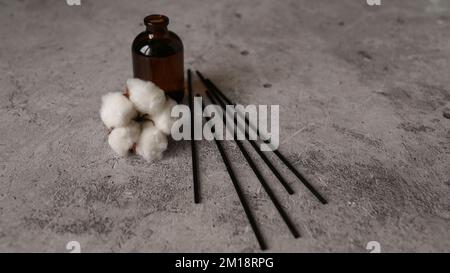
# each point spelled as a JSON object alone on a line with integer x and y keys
{"x": 193, "y": 143}
{"x": 237, "y": 188}
{"x": 213, "y": 88}
{"x": 261, "y": 179}
{"x": 258, "y": 151}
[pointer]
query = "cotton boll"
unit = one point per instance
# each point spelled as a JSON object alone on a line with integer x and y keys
{"x": 122, "y": 139}
{"x": 152, "y": 142}
{"x": 163, "y": 121}
{"x": 146, "y": 96}
{"x": 116, "y": 110}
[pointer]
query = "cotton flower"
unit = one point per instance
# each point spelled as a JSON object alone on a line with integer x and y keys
{"x": 139, "y": 120}
{"x": 163, "y": 121}
{"x": 152, "y": 142}
{"x": 146, "y": 96}
{"x": 123, "y": 139}
{"x": 116, "y": 110}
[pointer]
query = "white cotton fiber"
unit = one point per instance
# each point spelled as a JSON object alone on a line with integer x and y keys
{"x": 152, "y": 142}
{"x": 122, "y": 139}
{"x": 146, "y": 96}
{"x": 163, "y": 121}
{"x": 140, "y": 120}
{"x": 116, "y": 110}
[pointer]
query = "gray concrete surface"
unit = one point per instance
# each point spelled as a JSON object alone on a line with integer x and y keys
{"x": 363, "y": 92}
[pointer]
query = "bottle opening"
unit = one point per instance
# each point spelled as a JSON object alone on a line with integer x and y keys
{"x": 156, "y": 20}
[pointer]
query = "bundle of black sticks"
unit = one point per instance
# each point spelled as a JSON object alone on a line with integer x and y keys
{"x": 217, "y": 97}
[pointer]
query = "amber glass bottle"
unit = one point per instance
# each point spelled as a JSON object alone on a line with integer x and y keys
{"x": 158, "y": 56}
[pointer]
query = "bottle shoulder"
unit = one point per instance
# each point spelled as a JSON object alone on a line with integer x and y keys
{"x": 147, "y": 44}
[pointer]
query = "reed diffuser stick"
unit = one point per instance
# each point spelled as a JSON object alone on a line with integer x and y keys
{"x": 214, "y": 89}
{"x": 193, "y": 143}
{"x": 261, "y": 179}
{"x": 237, "y": 188}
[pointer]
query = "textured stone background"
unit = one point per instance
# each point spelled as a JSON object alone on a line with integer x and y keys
{"x": 363, "y": 92}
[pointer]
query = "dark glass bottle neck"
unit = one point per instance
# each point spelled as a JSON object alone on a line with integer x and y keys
{"x": 156, "y": 24}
